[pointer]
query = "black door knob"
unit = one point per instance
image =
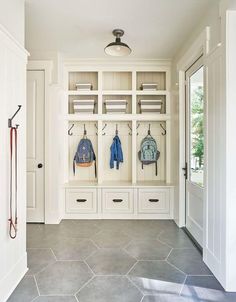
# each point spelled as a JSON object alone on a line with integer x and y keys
{"x": 40, "y": 166}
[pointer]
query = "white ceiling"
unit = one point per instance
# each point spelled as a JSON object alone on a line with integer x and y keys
{"x": 82, "y": 28}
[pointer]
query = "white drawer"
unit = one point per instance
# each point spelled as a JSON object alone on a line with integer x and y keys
{"x": 154, "y": 201}
{"x": 117, "y": 201}
{"x": 81, "y": 201}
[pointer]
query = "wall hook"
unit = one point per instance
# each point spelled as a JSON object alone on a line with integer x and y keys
{"x": 130, "y": 133}
{"x": 116, "y": 129}
{"x": 104, "y": 127}
{"x": 95, "y": 125}
{"x": 69, "y": 131}
{"x": 162, "y": 127}
{"x": 11, "y": 119}
{"x": 149, "y": 129}
{"x": 137, "y": 127}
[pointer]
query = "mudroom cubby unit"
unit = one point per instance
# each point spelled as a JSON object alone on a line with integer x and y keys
{"x": 130, "y": 191}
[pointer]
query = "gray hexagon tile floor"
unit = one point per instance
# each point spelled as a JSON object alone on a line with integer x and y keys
{"x": 115, "y": 261}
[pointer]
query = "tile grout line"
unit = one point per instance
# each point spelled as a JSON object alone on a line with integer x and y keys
{"x": 175, "y": 267}
{"x": 85, "y": 284}
{"x": 131, "y": 268}
{"x": 182, "y": 287}
{"x": 53, "y": 254}
{"x": 169, "y": 254}
{"x": 86, "y": 263}
{"x": 36, "y": 285}
{"x": 131, "y": 281}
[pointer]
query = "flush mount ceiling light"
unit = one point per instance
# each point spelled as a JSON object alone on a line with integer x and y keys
{"x": 117, "y": 48}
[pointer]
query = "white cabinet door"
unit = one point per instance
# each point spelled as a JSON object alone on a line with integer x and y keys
{"x": 35, "y": 145}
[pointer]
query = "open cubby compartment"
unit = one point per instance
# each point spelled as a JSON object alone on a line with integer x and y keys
{"x": 117, "y": 80}
{"x": 82, "y": 77}
{"x": 153, "y": 77}
{"x": 128, "y": 98}
{"x": 151, "y": 97}
{"x": 124, "y": 173}
{"x": 82, "y": 174}
{"x": 82, "y": 97}
{"x": 148, "y": 173}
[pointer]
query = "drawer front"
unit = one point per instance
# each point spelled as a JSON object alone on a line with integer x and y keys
{"x": 81, "y": 201}
{"x": 154, "y": 201}
{"x": 117, "y": 201}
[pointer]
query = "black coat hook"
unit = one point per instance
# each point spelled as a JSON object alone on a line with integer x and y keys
{"x": 116, "y": 129}
{"x": 104, "y": 127}
{"x": 69, "y": 131}
{"x": 130, "y": 133}
{"x": 11, "y": 119}
{"x": 163, "y": 133}
{"x": 149, "y": 129}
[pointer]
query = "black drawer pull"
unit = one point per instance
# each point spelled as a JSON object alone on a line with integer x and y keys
{"x": 117, "y": 200}
{"x": 81, "y": 200}
{"x": 153, "y": 200}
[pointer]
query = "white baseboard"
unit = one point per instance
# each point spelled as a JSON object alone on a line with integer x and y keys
{"x": 12, "y": 279}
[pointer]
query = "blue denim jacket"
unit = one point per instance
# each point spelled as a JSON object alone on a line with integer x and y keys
{"x": 116, "y": 153}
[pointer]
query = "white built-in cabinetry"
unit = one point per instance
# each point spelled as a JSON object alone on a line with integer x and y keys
{"x": 130, "y": 192}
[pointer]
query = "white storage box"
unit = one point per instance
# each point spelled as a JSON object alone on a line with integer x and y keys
{"x": 84, "y": 106}
{"x": 84, "y": 86}
{"x": 116, "y": 106}
{"x": 148, "y": 86}
{"x": 150, "y": 106}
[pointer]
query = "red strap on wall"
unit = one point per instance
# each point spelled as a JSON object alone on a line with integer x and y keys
{"x": 13, "y": 176}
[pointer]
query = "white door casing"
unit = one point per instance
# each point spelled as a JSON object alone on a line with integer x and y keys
{"x": 194, "y": 176}
{"x": 35, "y": 145}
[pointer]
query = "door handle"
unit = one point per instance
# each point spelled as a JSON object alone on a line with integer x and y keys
{"x": 40, "y": 166}
{"x": 185, "y": 169}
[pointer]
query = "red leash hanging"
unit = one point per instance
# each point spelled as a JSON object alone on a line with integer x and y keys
{"x": 13, "y": 177}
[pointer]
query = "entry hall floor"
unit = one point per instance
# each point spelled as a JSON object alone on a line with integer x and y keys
{"x": 115, "y": 261}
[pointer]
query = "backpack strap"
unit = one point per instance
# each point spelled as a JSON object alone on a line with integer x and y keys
{"x": 95, "y": 167}
{"x": 74, "y": 165}
{"x": 156, "y": 167}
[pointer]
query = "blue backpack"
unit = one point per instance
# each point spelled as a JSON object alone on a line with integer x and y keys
{"x": 148, "y": 153}
{"x": 85, "y": 155}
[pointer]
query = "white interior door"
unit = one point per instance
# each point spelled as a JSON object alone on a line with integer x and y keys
{"x": 35, "y": 145}
{"x": 195, "y": 150}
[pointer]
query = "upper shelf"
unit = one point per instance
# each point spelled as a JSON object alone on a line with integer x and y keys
{"x": 118, "y": 92}
{"x": 118, "y": 117}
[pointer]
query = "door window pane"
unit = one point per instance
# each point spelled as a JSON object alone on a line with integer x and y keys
{"x": 196, "y": 127}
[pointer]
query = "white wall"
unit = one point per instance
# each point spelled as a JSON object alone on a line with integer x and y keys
{"x": 13, "y": 258}
{"x": 12, "y": 17}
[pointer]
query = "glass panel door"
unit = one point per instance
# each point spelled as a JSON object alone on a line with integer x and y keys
{"x": 195, "y": 149}
{"x": 196, "y": 139}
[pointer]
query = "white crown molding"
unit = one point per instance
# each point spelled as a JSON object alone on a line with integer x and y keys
{"x": 4, "y": 34}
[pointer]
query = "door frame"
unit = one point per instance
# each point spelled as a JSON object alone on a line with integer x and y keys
{"x": 45, "y": 66}
{"x": 200, "y": 47}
